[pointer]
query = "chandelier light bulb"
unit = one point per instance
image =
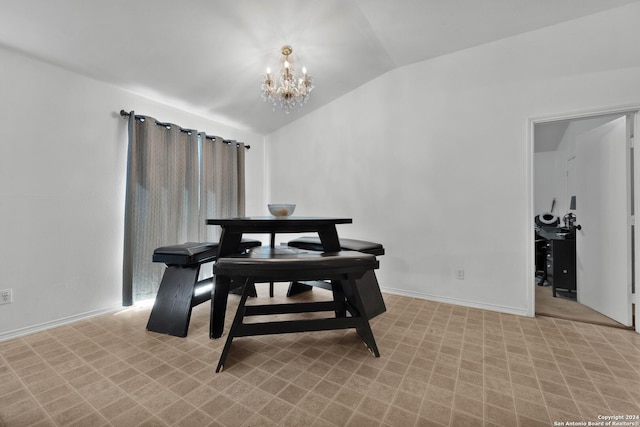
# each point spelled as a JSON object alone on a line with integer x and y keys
{"x": 291, "y": 92}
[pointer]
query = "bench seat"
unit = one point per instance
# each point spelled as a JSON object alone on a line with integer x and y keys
{"x": 314, "y": 244}
{"x": 194, "y": 252}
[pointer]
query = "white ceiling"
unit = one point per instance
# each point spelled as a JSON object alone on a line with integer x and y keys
{"x": 207, "y": 56}
{"x": 549, "y": 135}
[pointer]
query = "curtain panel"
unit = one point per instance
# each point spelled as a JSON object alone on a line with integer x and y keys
{"x": 221, "y": 186}
{"x": 221, "y": 183}
{"x": 176, "y": 178}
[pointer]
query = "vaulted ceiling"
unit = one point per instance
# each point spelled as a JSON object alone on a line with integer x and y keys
{"x": 207, "y": 56}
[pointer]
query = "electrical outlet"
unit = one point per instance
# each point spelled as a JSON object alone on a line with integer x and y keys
{"x": 6, "y": 296}
{"x": 459, "y": 273}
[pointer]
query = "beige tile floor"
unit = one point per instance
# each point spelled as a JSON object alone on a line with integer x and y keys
{"x": 440, "y": 365}
{"x": 570, "y": 309}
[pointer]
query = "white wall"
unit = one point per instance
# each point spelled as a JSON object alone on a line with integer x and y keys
{"x": 433, "y": 160}
{"x": 62, "y": 173}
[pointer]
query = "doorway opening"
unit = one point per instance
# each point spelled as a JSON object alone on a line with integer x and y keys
{"x": 581, "y": 175}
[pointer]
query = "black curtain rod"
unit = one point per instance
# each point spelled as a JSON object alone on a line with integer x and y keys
{"x": 168, "y": 125}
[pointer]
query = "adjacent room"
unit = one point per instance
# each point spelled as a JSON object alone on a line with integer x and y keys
{"x": 590, "y": 159}
{"x": 434, "y": 149}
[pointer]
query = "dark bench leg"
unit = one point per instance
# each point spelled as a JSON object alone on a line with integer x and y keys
{"x": 172, "y": 309}
{"x": 355, "y": 300}
{"x": 368, "y": 288}
{"x": 237, "y": 321}
{"x": 296, "y": 288}
{"x": 369, "y": 291}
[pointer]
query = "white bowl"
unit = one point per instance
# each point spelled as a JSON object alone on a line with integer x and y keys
{"x": 281, "y": 209}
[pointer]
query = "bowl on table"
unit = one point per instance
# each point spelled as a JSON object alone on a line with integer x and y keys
{"x": 281, "y": 210}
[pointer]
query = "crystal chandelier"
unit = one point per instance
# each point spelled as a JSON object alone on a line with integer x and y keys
{"x": 291, "y": 93}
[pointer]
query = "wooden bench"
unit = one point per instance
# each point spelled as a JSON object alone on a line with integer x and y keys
{"x": 180, "y": 289}
{"x": 372, "y": 297}
{"x": 340, "y": 269}
{"x": 314, "y": 244}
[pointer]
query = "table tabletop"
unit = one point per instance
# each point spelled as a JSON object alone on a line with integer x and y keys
{"x": 269, "y": 224}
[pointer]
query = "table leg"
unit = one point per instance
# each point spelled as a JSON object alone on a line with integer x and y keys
{"x": 339, "y": 298}
{"x": 273, "y": 245}
{"x": 219, "y": 296}
{"x": 229, "y": 243}
{"x": 329, "y": 238}
{"x": 330, "y": 242}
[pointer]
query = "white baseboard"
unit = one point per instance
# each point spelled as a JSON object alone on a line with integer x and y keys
{"x": 454, "y": 301}
{"x": 4, "y": 336}
{"x": 457, "y": 301}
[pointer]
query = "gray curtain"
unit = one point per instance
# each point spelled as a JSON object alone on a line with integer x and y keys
{"x": 167, "y": 178}
{"x": 221, "y": 186}
{"x": 221, "y": 183}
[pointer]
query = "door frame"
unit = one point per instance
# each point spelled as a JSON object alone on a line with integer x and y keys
{"x": 529, "y": 167}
